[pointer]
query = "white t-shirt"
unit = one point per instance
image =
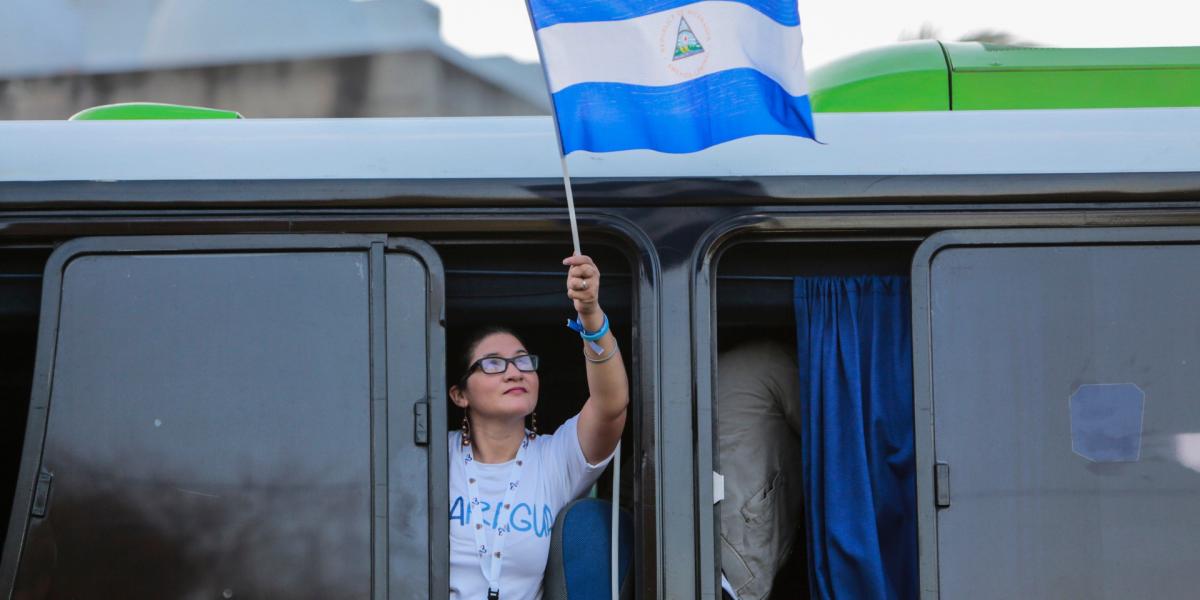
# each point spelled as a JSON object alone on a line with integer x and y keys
{"x": 555, "y": 472}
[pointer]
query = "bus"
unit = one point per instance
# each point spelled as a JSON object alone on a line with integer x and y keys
{"x": 224, "y": 339}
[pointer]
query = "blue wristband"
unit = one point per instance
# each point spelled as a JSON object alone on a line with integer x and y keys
{"x": 577, "y": 325}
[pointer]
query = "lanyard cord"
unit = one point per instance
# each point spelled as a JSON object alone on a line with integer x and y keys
{"x": 514, "y": 481}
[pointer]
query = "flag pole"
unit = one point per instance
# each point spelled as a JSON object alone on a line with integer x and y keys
{"x": 567, "y": 185}
{"x": 616, "y": 491}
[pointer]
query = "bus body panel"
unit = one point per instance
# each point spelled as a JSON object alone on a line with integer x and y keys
{"x": 859, "y": 144}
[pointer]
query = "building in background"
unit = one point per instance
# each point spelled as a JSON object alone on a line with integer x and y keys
{"x": 263, "y": 58}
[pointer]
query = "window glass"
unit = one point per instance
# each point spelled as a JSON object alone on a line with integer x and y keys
{"x": 1064, "y": 382}
{"x": 209, "y": 430}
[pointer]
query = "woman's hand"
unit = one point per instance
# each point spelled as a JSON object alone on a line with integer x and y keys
{"x": 583, "y": 285}
{"x": 603, "y": 416}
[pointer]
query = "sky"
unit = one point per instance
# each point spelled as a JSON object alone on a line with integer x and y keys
{"x": 835, "y": 28}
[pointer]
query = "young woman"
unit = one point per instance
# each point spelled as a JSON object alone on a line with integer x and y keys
{"x": 506, "y": 483}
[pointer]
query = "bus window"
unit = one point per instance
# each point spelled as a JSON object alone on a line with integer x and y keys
{"x": 214, "y": 420}
{"x": 765, "y": 544}
{"x": 521, "y": 286}
{"x": 1057, "y": 376}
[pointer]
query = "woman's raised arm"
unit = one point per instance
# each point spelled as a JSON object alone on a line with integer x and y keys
{"x": 603, "y": 416}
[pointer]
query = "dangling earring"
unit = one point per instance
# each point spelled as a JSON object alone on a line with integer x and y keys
{"x": 466, "y": 430}
{"x": 533, "y": 432}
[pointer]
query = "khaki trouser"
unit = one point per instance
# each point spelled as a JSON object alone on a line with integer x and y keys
{"x": 758, "y": 429}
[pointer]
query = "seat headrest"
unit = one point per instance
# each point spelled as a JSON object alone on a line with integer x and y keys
{"x": 580, "y": 550}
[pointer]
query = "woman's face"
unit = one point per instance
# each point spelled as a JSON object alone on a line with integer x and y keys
{"x": 511, "y": 394}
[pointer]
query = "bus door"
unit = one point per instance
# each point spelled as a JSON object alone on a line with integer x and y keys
{"x": 1057, "y": 420}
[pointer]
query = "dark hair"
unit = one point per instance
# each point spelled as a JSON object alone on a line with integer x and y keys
{"x": 471, "y": 342}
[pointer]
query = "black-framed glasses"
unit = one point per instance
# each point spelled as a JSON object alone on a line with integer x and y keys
{"x": 493, "y": 365}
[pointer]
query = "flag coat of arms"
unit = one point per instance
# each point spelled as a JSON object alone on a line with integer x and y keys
{"x": 672, "y": 75}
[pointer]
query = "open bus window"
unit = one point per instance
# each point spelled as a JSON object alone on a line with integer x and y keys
{"x": 521, "y": 287}
{"x": 785, "y": 344}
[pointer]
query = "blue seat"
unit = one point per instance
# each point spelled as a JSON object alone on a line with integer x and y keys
{"x": 580, "y": 550}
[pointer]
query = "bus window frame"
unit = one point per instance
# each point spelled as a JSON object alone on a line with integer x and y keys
{"x": 633, "y": 244}
{"x": 376, "y": 246}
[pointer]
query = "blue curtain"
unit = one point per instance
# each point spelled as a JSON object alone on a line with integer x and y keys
{"x": 855, "y": 356}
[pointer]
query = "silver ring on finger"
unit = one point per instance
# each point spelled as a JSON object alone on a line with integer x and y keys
{"x": 583, "y": 285}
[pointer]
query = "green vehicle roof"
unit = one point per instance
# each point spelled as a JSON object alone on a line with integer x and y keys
{"x": 931, "y": 75}
{"x": 902, "y": 77}
{"x": 136, "y": 111}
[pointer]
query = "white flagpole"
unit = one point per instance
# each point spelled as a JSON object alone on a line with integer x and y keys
{"x": 616, "y": 493}
{"x": 567, "y": 185}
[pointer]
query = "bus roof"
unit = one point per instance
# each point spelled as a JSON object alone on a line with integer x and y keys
{"x": 931, "y": 75}
{"x": 916, "y": 143}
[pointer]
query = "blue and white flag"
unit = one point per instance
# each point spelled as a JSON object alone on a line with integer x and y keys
{"x": 672, "y": 75}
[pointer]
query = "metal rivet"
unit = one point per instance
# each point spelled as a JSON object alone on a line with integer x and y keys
{"x": 478, "y": 526}
{"x": 506, "y": 506}
{"x": 497, "y": 555}
{"x": 519, "y": 463}
{"x": 472, "y": 480}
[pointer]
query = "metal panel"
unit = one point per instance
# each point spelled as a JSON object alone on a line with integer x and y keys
{"x": 417, "y": 518}
{"x": 427, "y": 198}
{"x": 380, "y": 500}
{"x": 1055, "y": 372}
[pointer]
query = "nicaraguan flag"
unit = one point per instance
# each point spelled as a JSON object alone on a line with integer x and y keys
{"x": 672, "y": 75}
